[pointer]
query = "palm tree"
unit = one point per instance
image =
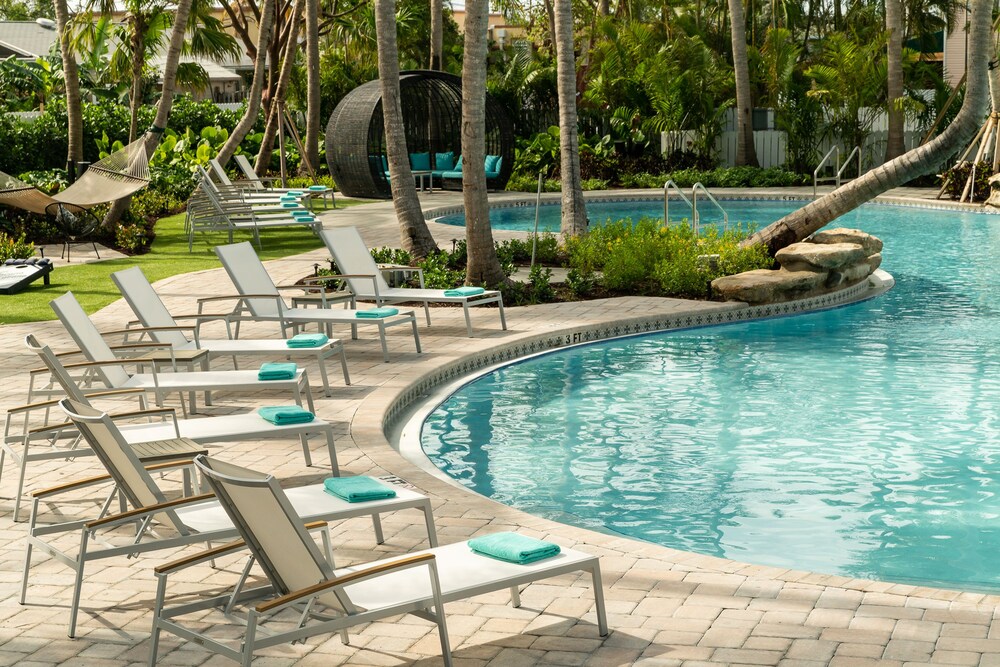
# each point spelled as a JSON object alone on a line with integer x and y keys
{"x": 917, "y": 162}
{"x": 483, "y": 266}
{"x": 437, "y": 33}
{"x": 71, "y": 79}
{"x": 746, "y": 154}
{"x": 252, "y": 110}
{"x": 313, "y": 120}
{"x": 894, "y": 146}
{"x": 274, "y": 116}
{"x": 414, "y": 235}
{"x": 574, "y": 210}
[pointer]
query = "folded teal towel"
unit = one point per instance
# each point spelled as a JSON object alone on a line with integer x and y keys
{"x": 308, "y": 340}
{"x": 377, "y": 313}
{"x": 289, "y": 204}
{"x": 318, "y": 188}
{"x": 282, "y": 415}
{"x": 357, "y": 489}
{"x": 305, "y": 215}
{"x": 294, "y": 193}
{"x": 513, "y": 548}
{"x": 464, "y": 291}
{"x": 277, "y": 371}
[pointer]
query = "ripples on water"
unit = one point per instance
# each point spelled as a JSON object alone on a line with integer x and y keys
{"x": 860, "y": 441}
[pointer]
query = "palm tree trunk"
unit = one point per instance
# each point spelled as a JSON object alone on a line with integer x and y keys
{"x": 574, "y": 211}
{"x": 917, "y": 162}
{"x": 313, "y": 120}
{"x": 746, "y": 154}
{"x": 483, "y": 266}
{"x": 894, "y": 146}
{"x": 414, "y": 235}
{"x": 252, "y": 111}
{"x": 551, "y": 15}
{"x": 71, "y": 78}
{"x": 437, "y": 34}
{"x": 274, "y": 115}
{"x": 138, "y": 40}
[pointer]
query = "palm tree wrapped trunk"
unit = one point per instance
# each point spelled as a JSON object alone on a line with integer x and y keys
{"x": 895, "y": 145}
{"x": 71, "y": 80}
{"x": 483, "y": 266}
{"x": 917, "y": 162}
{"x": 313, "y": 120}
{"x": 746, "y": 153}
{"x": 414, "y": 235}
{"x": 574, "y": 210}
{"x": 274, "y": 116}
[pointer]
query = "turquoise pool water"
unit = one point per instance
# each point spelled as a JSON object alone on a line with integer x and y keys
{"x": 522, "y": 218}
{"x": 862, "y": 441}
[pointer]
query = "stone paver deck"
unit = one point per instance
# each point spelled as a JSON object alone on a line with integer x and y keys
{"x": 666, "y": 607}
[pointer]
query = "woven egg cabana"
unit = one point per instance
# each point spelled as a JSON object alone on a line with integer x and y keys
{"x": 432, "y": 119}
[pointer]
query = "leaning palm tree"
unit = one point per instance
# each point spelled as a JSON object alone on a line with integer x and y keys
{"x": 71, "y": 80}
{"x": 894, "y": 146}
{"x": 746, "y": 154}
{"x": 917, "y": 162}
{"x": 574, "y": 210}
{"x": 275, "y": 115}
{"x": 483, "y": 266}
{"x": 414, "y": 235}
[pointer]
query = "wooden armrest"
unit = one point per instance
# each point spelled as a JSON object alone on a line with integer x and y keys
{"x": 200, "y": 557}
{"x": 309, "y": 591}
{"x": 114, "y": 392}
{"x": 143, "y": 413}
{"x": 49, "y": 427}
{"x": 202, "y": 316}
{"x": 68, "y": 486}
{"x": 119, "y": 332}
{"x": 239, "y": 297}
{"x": 139, "y": 346}
{"x": 149, "y": 509}
{"x": 27, "y": 407}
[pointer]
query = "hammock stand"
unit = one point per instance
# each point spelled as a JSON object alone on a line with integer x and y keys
{"x": 118, "y": 175}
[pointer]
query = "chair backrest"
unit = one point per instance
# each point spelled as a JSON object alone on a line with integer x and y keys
{"x": 271, "y": 528}
{"x": 88, "y": 338}
{"x": 351, "y": 255}
{"x": 219, "y": 172}
{"x": 133, "y": 480}
{"x": 58, "y": 371}
{"x": 250, "y": 277}
{"x": 146, "y": 304}
{"x": 244, "y": 164}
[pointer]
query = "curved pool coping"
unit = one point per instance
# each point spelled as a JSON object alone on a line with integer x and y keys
{"x": 381, "y": 421}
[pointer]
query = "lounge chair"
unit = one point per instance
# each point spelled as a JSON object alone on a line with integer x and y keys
{"x": 111, "y": 370}
{"x": 260, "y": 300}
{"x": 367, "y": 283}
{"x": 312, "y": 598}
{"x": 187, "y": 520}
{"x": 42, "y": 439}
{"x": 161, "y": 326}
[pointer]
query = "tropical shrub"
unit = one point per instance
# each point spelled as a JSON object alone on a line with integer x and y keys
{"x": 15, "y": 247}
{"x": 954, "y": 180}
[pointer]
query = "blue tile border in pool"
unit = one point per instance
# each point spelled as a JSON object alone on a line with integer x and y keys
{"x": 861, "y": 291}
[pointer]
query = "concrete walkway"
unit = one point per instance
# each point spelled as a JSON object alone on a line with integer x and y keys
{"x": 667, "y": 607}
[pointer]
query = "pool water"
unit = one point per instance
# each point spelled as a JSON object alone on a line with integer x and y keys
{"x": 522, "y": 218}
{"x": 862, "y": 441}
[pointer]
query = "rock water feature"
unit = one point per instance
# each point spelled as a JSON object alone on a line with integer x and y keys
{"x": 825, "y": 262}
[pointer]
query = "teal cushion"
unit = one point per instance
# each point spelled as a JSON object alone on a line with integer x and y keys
{"x": 385, "y": 163}
{"x": 452, "y": 174}
{"x": 444, "y": 161}
{"x": 458, "y": 165}
{"x": 492, "y": 162}
{"x": 420, "y": 161}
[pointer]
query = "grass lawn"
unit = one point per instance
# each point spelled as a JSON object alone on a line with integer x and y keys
{"x": 169, "y": 256}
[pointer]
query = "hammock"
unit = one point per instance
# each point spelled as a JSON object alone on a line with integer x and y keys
{"x": 118, "y": 175}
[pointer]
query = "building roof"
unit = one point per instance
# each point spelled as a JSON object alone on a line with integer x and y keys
{"x": 26, "y": 39}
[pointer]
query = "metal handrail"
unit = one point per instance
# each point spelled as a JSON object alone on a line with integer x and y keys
{"x": 822, "y": 163}
{"x": 538, "y": 203}
{"x": 695, "y": 221}
{"x": 847, "y": 161}
{"x": 666, "y": 200}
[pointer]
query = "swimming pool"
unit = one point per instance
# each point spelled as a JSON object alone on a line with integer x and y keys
{"x": 522, "y": 218}
{"x": 862, "y": 441}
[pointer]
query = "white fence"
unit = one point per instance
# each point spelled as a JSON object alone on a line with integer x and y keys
{"x": 771, "y": 148}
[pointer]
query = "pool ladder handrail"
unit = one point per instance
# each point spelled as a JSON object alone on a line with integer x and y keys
{"x": 847, "y": 163}
{"x": 695, "y": 218}
{"x": 538, "y": 204}
{"x": 666, "y": 199}
{"x": 822, "y": 163}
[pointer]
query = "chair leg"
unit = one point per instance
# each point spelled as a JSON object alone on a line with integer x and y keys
{"x": 602, "y": 614}
{"x": 503, "y": 318}
{"x": 377, "y": 523}
{"x": 385, "y": 346}
{"x": 432, "y": 537}
{"x": 343, "y": 366}
{"x": 427, "y": 312}
{"x": 332, "y": 449}
{"x": 515, "y": 596}
{"x": 439, "y": 614}
{"x": 323, "y": 375}
{"x": 305, "y": 450}
{"x": 81, "y": 561}
{"x": 154, "y": 635}
{"x": 468, "y": 320}
{"x": 416, "y": 335}
{"x": 249, "y": 639}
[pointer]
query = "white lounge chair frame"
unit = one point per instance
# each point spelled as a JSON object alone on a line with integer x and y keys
{"x": 259, "y": 299}
{"x": 352, "y": 257}
{"x": 301, "y": 579}
{"x": 191, "y": 519}
{"x": 162, "y": 327}
{"x": 111, "y": 369}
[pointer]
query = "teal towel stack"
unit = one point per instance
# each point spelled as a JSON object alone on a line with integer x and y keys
{"x": 289, "y": 204}
{"x": 303, "y": 215}
{"x": 294, "y": 193}
{"x": 464, "y": 291}
{"x": 513, "y": 548}
{"x": 283, "y": 415}
{"x": 357, "y": 489}
{"x": 377, "y": 313}
{"x": 277, "y": 371}
{"x": 308, "y": 340}
{"x": 318, "y": 188}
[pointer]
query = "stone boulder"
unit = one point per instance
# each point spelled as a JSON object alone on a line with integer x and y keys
{"x": 819, "y": 257}
{"x": 871, "y": 244}
{"x": 767, "y": 286}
